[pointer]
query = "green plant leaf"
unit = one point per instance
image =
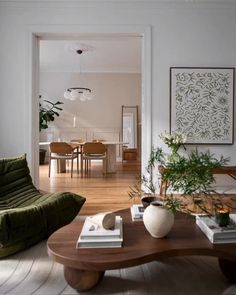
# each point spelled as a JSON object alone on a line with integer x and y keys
{"x": 48, "y": 113}
{"x": 188, "y": 175}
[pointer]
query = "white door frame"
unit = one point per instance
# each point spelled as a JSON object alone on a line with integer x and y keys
{"x": 51, "y": 32}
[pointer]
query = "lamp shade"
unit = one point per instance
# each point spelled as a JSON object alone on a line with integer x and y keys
{"x": 88, "y": 95}
{"x": 82, "y": 97}
{"x": 78, "y": 93}
{"x": 82, "y": 93}
{"x": 74, "y": 94}
{"x": 67, "y": 95}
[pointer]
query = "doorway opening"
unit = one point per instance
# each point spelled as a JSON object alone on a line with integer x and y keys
{"x": 115, "y": 80}
{"x": 145, "y": 109}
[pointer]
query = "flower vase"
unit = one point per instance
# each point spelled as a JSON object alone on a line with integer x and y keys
{"x": 174, "y": 155}
{"x": 158, "y": 220}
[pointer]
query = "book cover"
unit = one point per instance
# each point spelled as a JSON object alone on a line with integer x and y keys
{"x": 90, "y": 231}
{"x": 137, "y": 212}
{"x": 102, "y": 241}
{"x": 232, "y": 216}
{"x": 99, "y": 243}
{"x": 105, "y": 244}
{"x": 214, "y": 232}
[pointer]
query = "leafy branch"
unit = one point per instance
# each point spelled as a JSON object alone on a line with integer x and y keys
{"x": 186, "y": 178}
{"x": 47, "y": 114}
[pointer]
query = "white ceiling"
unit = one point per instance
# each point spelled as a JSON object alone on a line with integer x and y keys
{"x": 111, "y": 54}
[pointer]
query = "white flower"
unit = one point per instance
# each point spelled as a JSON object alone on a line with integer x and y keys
{"x": 175, "y": 139}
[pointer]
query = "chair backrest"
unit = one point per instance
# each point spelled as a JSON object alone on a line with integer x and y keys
{"x": 60, "y": 148}
{"x": 96, "y": 148}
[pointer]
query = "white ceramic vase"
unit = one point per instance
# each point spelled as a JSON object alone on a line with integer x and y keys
{"x": 158, "y": 220}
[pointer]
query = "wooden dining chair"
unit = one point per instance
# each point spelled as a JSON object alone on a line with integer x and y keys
{"x": 94, "y": 151}
{"x": 62, "y": 151}
{"x": 79, "y": 141}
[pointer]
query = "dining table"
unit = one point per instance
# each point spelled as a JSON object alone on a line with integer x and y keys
{"x": 111, "y": 154}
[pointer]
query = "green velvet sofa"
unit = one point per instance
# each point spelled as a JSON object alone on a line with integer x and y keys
{"x": 26, "y": 215}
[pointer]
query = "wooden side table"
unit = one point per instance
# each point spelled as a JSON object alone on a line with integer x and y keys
{"x": 229, "y": 170}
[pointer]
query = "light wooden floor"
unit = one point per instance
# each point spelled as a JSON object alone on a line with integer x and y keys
{"x": 102, "y": 194}
{"x": 110, "y": 193}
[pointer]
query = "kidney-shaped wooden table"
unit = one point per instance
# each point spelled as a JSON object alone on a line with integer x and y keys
{"x": 84, "y": 268}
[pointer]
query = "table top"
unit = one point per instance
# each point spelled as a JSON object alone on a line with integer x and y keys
{"x": 185, "y": 238}
{"x": 82, "y": 143}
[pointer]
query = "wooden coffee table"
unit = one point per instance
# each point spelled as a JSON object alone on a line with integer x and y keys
{"x": 84, "y": 268}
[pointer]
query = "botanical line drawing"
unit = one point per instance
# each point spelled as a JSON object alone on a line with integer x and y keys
{"x": 202, "y": 104}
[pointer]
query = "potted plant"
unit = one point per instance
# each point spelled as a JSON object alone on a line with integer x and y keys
{"x": 47, "y": 113}
{"x": 192, "y": 177}
{"x": 145, "y": 186}
{"x": 188, "y": 178}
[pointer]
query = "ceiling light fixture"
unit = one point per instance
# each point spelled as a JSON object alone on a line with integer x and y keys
{"x": 82, "y": 93}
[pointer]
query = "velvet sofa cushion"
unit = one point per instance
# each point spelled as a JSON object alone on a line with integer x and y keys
{"x": 15, "y": 176}
{"x": 26, "y": 215}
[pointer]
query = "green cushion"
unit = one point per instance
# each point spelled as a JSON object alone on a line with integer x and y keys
{"x": 14, "y": 175}
{"x": 59, "y": 209}
{"x": 26, "y": 215}
{"x": 21, "y": 223}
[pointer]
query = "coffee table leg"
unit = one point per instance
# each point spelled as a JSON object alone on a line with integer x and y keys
{"x": 82, "y": 280}
{"x": 228, "y": 268}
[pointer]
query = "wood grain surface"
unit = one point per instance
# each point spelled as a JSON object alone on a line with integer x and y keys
{"x": 139, "y": 247}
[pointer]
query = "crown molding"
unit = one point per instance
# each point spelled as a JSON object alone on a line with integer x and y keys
{"x": 127, "y": 4}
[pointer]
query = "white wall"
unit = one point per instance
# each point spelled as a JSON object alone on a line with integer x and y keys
{"x": 110, "y": 91}
{"x": 99, "y": 118}
{"x": 183, "y": 34}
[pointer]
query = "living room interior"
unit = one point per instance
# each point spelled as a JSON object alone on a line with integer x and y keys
{"x": 188, "y": 34}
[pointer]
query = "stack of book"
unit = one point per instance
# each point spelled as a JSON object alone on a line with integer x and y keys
{"x": 92, "y": 236}
{"x": 137, "y": 212}
{"x": 215, "y": 233}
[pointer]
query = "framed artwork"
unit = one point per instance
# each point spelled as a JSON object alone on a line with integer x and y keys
{"x": 202, "y": 104}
